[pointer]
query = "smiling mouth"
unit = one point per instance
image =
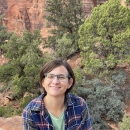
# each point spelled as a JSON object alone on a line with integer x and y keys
{"x": 55, "y": 87}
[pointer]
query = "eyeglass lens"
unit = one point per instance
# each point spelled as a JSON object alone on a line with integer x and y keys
{"x": 60, "y": 77}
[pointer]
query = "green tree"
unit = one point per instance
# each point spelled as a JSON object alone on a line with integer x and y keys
{"x": 4, "y": 35}
{"x": 64, "y": 16}
{"x": 63, "y": 47}
{"x": 21, "y": 73}
{"x": 105, "y": 38}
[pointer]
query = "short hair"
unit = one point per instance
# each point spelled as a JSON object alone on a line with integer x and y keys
{"x": 48, "y": 67}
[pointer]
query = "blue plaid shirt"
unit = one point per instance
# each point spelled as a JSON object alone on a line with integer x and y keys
{"x": 36, "y": 116}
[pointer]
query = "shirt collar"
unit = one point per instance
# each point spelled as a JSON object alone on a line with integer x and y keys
{"x": 38, "y": 102}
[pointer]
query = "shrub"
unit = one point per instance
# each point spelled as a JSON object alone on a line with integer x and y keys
{"x": 103, "y": 101}
{"x": 8, "y": 111}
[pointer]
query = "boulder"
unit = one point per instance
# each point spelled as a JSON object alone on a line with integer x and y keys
{"x": 11, "y": 123}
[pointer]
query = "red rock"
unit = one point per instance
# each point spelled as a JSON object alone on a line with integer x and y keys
{"x": 28, "y": 14}
{"x": 12, "y": 123}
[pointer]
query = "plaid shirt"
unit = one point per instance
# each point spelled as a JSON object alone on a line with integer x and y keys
{"x": 36, "y": 116}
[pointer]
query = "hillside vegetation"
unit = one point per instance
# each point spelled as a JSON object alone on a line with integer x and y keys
{"x": 102, "y": 41}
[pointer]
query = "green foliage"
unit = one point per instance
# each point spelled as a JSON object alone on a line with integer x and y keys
{"x": 125, "y": 124}
{"x": 21, "y": 73}
{"x": 3, "y": 33}
{"x": 78, "y": 79}
{"x": 8, "y": 111}
{"x": 105, "y": 99}
{"x": 1, "y": 111}
{"x": 104, "y": 38}
{"x": 65, "y": 18}
{"x": 64, "y": 48}
{"x": 104, "y": 102}
{"x": 2, "y": 88}
{"x": 120, "y": 80}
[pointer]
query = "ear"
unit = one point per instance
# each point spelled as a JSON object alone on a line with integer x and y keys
{"x": 70, "y": 82}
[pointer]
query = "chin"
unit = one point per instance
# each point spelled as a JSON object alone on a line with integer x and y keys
{"x": 56, "y": 94}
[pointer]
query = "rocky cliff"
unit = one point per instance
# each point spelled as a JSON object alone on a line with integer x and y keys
{"x": 28, "y": 14}
{"x": 22, "y": 14}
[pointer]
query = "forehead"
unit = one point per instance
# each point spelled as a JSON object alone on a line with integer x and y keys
{"x": 59, "y": 70}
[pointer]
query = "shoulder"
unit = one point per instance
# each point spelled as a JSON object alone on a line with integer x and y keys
{"x": 77, "y": 106}
{"x": 35, "y": 104}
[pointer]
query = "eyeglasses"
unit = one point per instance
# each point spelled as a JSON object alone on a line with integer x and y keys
{"x": 60, "y": 77}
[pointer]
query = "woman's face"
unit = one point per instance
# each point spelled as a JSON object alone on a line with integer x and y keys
{"x": 57, "y": 85}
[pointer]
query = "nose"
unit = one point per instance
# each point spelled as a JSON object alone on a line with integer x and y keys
{"x": 55, "y": 79}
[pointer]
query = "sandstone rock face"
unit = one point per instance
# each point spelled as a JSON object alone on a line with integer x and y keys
{"x": 28, "y": 14}
{"x": 22, "y": 14}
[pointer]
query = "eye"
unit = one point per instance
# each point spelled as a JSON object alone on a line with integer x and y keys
{"x": 50, "y": 76}
{"x": 61, "y": 77}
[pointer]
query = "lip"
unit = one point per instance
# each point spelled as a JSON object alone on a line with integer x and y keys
{"x": 55, "y": 87}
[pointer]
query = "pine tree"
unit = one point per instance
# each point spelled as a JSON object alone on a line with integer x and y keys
{"x": 104, "y": 38}
{"x": 4, "y": 35}
{"x": 21, "y": 73}
{"x": 64, "y": 16}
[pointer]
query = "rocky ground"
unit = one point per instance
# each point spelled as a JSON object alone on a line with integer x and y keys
{"x": 12, "y": 123}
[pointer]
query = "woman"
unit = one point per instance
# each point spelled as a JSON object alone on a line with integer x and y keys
{"x": 56, "y": 108}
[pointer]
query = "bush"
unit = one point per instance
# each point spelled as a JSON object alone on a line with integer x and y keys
{"x": 78, "y": 76}
{"x": 9, "y": 111}
{"x": 2, "y": 111}
{"x": 120, "y": 80}
{"x": 103, "y": 101}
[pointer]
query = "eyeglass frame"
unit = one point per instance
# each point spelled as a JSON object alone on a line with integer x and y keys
{"x": 66, "y": 75}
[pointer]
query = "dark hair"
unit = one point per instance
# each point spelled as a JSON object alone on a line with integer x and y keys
{"x": 53, "y": 64}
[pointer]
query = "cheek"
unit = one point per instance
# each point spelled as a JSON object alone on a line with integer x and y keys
{"x": 43, "y": 83}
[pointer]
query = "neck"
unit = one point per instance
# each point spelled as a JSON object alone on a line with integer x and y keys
{"x": 54, "y": 105}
